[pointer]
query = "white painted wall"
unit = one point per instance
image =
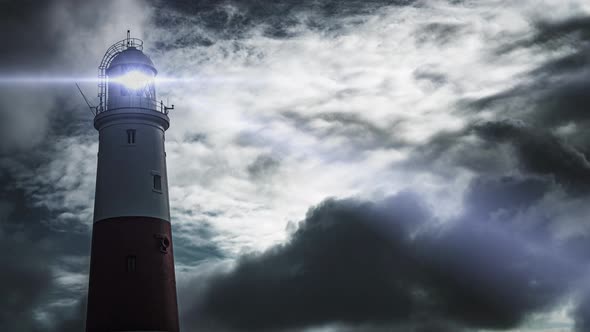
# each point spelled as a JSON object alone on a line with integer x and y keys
{"x": 124, "y": 181}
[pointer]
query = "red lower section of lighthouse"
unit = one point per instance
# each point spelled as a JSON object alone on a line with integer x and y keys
{"x": 132, "y": 285}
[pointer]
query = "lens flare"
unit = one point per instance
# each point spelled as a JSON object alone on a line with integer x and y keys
{"x": 134, "y": 79}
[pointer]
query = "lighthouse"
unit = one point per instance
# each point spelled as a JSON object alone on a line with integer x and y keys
{"x": 132, "y": 284}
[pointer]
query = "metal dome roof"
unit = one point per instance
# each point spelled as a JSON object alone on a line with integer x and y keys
{"x": 132, "y": 56}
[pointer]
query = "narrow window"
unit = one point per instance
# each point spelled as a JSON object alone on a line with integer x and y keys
{"x": 131, "y": 262}
{"x": 157, "y": 182}
{"x": 130, "y": 136}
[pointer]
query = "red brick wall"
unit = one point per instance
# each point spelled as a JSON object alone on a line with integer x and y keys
{"x": 144, "y": 299}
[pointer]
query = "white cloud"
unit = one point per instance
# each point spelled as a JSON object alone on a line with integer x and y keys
{"x": 243, "y": 87}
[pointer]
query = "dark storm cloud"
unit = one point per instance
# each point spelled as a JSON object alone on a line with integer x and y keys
{"x": 235, "y": 19}
{"x": 571, "y": 31}
{"x": 35, "y": 35}
{"x": 384, "y": 264}
{"x": 73, "y": 321}
{"x": 582, "y": 313}
{"x": 540, "y": 152}
{"x": 551, "y": 100}
{"x": 276, "y": 290}
{"x": 487, "y": 196}
{"x": 29, "y": 249}
{"x": 536, "y": 151}
{"x": 18, "y": 213}
{"x": 555, "y": 93}
{"x": 25, "y": 278}
{"x": 446, "y": 152}
{"x": 486, "y": 278}
{"x": 37, "y": 42}
{"x": 352, "y": 128}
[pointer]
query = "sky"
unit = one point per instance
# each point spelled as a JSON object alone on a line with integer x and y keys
{"x": 333, "y": 165}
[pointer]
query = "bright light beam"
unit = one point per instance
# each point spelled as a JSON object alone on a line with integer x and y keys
{"x": 137, "y": 79}
{"x": 134, "y": 79}
{"x": 8, "y": 80}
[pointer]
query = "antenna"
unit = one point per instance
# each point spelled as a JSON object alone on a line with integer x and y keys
{"x": 128, "y": 38}
{"x": 166, "y": 108}
{"x": 93, "y": 109}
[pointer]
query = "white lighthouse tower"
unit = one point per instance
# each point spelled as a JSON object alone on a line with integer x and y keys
{"x": 132, "y": 283}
